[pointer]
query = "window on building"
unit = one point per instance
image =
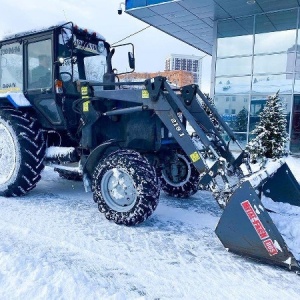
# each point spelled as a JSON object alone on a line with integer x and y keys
{"x": 234, "y": 66}
{"x": 270, "y": 84}
{"x": 273, "y": 27}
{"x": 261, "y": 47}
{"x": 274, "y": 63}
{"x": 235, "y": 37}
{"x": 233, "y": 85}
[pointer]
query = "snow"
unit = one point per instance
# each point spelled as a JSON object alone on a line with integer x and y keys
{"x": 54, "y": 152}
{"x": 263, "y": 86}
{"x": 59, "y": 24}
{"x": 36, "y": 30}
{"x": 17, "y": 99}
{"x": 286, "y": 218}
{"x": 269, "y": 168}
{"x": 54, "y": 244}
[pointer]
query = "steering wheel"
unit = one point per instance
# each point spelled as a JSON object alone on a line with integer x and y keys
{"x": 65, "y": 76}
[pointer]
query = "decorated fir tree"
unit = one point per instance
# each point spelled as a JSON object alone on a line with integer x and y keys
{"x": 240, "y": 124}
{"x": 270, "y": 133}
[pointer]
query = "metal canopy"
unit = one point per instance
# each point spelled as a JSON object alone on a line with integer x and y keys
{"x": 192, "y": 21}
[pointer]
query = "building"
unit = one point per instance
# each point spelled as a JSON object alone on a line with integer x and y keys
{"x": 177, "y": 78}
{"x": 254, "y": 45}
{"x": 190, "y": 63}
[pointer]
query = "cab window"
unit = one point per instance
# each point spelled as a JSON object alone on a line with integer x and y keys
{"x": 40, "y": 65}
{"x": 69, "y": 69}
{"x": 11, "y": 68}
{"x": 84, "y": 59}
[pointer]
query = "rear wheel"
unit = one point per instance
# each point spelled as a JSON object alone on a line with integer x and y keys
{"x": 22, "y": 150}
{"x": 125, "y": 187}
{"x": 179, "y": 178}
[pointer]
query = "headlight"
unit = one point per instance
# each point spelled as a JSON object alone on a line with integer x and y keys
{"x": 100, "y": 47}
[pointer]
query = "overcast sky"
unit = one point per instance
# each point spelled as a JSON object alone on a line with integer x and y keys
{"x": 151, "y": 46}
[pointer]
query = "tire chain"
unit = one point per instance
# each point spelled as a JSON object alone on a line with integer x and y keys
{"x": 144, "y": 175}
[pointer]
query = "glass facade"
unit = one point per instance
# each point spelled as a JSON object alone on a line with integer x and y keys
{"x": 256, "y": 57}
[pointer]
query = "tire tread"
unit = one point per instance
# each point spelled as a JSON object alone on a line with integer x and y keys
{"x": 32, "y": 148}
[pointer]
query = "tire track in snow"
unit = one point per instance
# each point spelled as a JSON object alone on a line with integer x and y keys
{"x": 127, "y": 242}
{"x": 175, "y": 254}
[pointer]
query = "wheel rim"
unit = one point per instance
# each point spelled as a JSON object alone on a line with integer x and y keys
{"x": 8, "y": 154}
{"x": 183, "y": 179}
{"x": 118, "y": 190}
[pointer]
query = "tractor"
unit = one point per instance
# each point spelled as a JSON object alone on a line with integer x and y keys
{"x": 62, "y": 104}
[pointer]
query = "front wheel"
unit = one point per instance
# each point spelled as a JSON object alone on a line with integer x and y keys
{"x": 126, "y": 187}
{"x": 179, "y": 178}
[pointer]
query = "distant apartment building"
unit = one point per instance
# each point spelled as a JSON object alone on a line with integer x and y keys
{"x": 176, "y": 78}
{"x": 190, "y": 63}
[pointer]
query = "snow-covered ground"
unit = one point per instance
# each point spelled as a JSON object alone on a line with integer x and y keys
{"x": 54, "y": 244}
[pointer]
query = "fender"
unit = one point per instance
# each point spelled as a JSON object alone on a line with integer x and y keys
{"x": 15, "y": 99}
{"x": 95, "y": 156}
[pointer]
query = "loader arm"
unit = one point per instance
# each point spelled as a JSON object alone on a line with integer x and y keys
{"x": 159, "y": 97}
{"x": 245, "y": 226}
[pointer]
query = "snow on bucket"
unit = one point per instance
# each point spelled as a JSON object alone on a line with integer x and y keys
{"x": 286, "y": 217}
{"x": 247, "y": 228}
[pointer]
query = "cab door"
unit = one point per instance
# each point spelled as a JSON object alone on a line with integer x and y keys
{"x": 39, "y": 80}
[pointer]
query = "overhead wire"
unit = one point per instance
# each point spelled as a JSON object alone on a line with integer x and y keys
{"x": 131, "y": 35}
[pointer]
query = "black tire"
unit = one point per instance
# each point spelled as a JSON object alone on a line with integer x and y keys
{"x": 135, "y": 200}
{"x": 186, "y": 183}
{"x": 22, "y": 151}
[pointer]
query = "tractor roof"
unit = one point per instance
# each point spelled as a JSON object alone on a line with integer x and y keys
{"x": 69, "y": 25}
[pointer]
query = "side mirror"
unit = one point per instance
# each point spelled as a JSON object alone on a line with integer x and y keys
{"x": 125, "y": 49}
{"x": 131, "y": 60}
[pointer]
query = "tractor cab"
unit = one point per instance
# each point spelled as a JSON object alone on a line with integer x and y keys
{"x": 81, "y": 55}
{"x": 41, "y": 69}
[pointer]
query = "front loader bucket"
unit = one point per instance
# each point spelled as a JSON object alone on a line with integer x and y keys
{"x": 282, "y": 186}
{"x": 247, "y": 229}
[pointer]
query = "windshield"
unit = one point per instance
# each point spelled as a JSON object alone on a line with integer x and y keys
{"x": 95, "y": 67}
{"x": 84, "y": 57}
